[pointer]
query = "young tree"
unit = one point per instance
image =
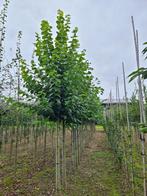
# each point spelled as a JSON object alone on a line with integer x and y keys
{"x": 61, "y": 79}
{"x": 3, "y": 20}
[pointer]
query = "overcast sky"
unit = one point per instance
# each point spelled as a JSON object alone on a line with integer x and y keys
{"x": 104, "y": 31}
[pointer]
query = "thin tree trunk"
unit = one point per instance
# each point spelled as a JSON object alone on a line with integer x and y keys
{"x": 52, "y": 136}
{"x": 16, "y": 144}
{"x": 58, "y": 169}
{"x": 11, "y": 142}
{"x": 63, "y": 155}
{"x": 77, "y": 161}
{"x": 35, "y": 140}
{"x": 1, "y": 138}
{"x": 5, "y": 139}
{"x": 78, "y": 146}
{"x": 45, "y": 138}
{"x": 72, "y": 146}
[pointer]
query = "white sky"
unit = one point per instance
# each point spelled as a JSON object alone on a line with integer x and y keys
{"x": 104, "y": 31}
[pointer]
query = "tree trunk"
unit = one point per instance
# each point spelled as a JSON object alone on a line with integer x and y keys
{"x": 63, "y": 155}
{"x": 58, "y": 169}
{"x": 16, "y": 144}
{"x": 11, "y": 142}
{"x": 72, "y": 146}
{"x": 35, "y": 140}
{"x": 1, "y": 138}
{"x": 45, "y": 138}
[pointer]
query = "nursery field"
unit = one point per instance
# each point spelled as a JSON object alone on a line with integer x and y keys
{"x": 37, "y": 177}
{"x": 92, "y": 167}
{"x": 58, "y": 137}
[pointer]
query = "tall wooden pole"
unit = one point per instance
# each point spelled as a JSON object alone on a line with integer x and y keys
{"x": 129, "y": 130}
{"x": 126, "y": 98}
{"x": 141, "y": 103}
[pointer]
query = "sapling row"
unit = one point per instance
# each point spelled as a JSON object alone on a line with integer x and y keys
{"x": 141, "y": 103}
{"x": 126, "y": 126}
{"x": 59, "y": 78}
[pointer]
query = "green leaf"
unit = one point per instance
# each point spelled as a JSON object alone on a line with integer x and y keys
{"x": 143, "y": 130}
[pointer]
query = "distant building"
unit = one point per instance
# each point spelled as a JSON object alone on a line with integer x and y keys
{"x": 108, "y": 102}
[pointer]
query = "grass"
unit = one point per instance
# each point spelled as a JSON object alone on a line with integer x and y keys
{"x": 97, "y": 174}
{"x": 29, "y": 178}
{"x": 100, "y": 154}
{"x": 99, "y": 128}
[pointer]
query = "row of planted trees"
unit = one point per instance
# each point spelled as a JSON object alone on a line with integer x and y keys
{"x": 32, "y": 141}
{"x": 126, "y": 144}
{"x": 59, "y": 82}
{"x": 125, "y": 124}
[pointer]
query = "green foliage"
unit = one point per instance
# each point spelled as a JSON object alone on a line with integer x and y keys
{"x": 60, "y": 76}
{"x": 13, "y": 112}
{"x": 143, "y": 130}
{"x": 116, "y": 125}
{"x": 8, "y": 181}
{"x": 114, "y": 134}
{"x": 145, "y": 50}
{"x": 142, "y": 127}
{"x": 142, "y": 71}
{"x": 133, "y": 109}
{"x": 124, "y": 138}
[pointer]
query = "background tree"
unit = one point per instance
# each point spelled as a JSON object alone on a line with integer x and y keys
{"x": 3, "y": 20}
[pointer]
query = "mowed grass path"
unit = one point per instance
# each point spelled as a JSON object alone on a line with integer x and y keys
{"x": 97, "y": 174}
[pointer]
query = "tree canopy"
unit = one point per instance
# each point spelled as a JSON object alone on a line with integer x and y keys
{"x": 60, "y": 76}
